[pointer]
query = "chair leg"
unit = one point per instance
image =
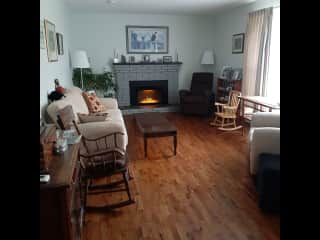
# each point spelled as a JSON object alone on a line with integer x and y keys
{"x": 127, "y": 185}
{"x": 84, "y": 200}
{"x": 222, "y": 123}
{"x": 129, "y": 174}
{"x": 214, "y": 122}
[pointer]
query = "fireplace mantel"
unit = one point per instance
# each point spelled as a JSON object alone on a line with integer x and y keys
{"x": 149, "y": 63}
{"x": 126, "y": 72}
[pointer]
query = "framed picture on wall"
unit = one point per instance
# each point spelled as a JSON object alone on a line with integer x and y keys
{"x": 237, "y": 43}
{"x": 60, "y": 43}
{"x": 147, "y": 39}
{"x": 42, "y": 41}
{"x": 51, "y": 41}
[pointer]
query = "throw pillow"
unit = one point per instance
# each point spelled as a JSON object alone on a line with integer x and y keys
{"x": 85, "y": 118}
{"x": 65, "y": 117}
{"x": 93, "y": 102}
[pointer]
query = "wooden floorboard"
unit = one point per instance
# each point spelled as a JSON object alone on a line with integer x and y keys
{"x": 204, "y": 192}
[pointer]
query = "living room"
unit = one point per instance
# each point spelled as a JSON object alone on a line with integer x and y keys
{"x": 196, "y": 177}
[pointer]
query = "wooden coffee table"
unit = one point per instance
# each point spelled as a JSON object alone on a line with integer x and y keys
{"x": 153, "y": 125}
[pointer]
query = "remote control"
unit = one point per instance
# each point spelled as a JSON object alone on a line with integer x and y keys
{"x": 44, "y": 178}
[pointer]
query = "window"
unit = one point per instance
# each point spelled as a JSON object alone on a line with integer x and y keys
{"x": 273, "y": 84}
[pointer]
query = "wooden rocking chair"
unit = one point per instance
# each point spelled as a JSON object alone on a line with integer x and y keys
{"x": 102, "y": 161}
{"x": 226, "y": 114}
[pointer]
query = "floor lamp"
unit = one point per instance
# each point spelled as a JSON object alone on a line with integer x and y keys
{"x": 80, "y": 60}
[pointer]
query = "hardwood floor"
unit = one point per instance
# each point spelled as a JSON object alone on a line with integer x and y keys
{"x": 204, "y": 192}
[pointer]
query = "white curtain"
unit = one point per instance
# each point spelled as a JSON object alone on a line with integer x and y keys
{"x": 257, "y": 52}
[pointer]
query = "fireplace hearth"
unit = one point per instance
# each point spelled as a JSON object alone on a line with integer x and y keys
{"x": 148, "y": 92}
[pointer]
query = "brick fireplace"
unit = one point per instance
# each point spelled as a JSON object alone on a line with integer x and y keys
{"x": 147, "y": 83}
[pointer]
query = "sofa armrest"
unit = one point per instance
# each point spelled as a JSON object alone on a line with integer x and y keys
{"x": 184, "y": 92}
{"x": 210, "y": 96}
{"x": 265, "y": 119}
{"x": 262, "y": 140}
{"x": 208, "y": 93}
{"x": 92, "y": 130}
{"x": 110, "y": 103}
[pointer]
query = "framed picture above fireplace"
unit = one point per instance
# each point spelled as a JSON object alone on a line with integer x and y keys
{"x": 147, "y": 39}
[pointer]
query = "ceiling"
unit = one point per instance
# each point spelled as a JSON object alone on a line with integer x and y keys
{"x": 186, "y": 7}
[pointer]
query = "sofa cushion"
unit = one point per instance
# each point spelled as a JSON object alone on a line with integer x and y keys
{"x": 262, "y": 140}
{"x": 73, "y": 98}
{"x": 99, "y": 129}
{"x": 72, "y": 90}
{"x": 109, "y": 103}
{"x": 93, "y": 102}
{"x": 84, "y": 118}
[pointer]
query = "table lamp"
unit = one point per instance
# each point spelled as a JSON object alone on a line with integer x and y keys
{"x": 207, "y": 58}
{"x": 80, "y": 60}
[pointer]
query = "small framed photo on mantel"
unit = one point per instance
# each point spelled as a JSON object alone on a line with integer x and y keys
{"x": 167, "y": 59}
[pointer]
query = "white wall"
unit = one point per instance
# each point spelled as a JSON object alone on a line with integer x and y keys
{"x": 228, "y": 23}
{"x": 100, "y": 33}
{"x": 58, "y": 13}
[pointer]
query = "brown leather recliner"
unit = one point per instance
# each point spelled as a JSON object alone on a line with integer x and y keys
{"x": 200, "y": 98}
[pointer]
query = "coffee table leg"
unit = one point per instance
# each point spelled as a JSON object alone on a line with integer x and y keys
{"x": 175, "y": 144}
{"x": 145, "y": 146}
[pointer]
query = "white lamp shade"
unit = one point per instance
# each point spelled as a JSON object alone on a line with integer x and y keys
{"x": 80, "y": 59}
{"x": 207, "y": 57}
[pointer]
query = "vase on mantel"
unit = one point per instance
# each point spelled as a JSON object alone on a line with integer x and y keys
{"x": 177, "y": 56}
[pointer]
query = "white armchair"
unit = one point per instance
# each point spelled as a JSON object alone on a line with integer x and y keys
{"x": 264, "y": 137}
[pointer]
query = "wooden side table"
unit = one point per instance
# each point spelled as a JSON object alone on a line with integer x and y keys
{"x": 61, "y": 208}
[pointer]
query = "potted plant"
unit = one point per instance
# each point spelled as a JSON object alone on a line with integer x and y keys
{"x": 106, "y": 81}
{"x": 102, "y": 83}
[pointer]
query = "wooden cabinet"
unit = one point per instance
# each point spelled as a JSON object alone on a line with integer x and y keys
{"x": 223, "y": 88}
{"x": 61, "y": 209}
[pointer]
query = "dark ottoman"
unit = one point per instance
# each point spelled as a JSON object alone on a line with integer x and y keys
{"x": 268, "y": 182}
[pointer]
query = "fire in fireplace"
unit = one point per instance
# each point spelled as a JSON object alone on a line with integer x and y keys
{"x": 148, "y": 92}
{"x": 149, "y": 96}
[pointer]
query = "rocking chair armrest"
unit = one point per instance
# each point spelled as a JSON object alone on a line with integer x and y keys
{"x": 103, "y": 152}
{"x": 230, "y": 107}
{"x": 101, "y": 137}
{"x": 219, "y": 104}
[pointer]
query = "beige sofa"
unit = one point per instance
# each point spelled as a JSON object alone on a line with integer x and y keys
{"x": 114, "y": 122}
{"x": 264, "y": 137}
